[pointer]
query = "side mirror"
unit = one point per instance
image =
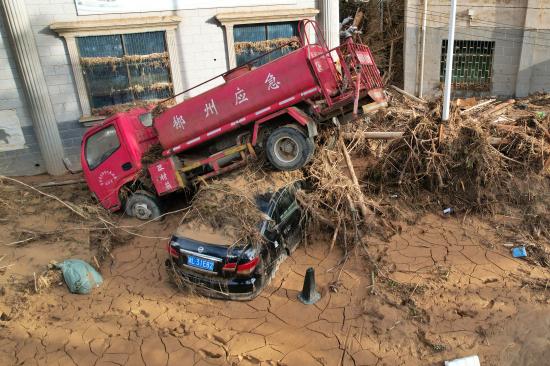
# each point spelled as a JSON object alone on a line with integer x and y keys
{"x": 271, "y": 225}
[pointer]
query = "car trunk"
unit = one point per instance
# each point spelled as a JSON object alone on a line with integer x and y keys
{"x": 206, "y": 250}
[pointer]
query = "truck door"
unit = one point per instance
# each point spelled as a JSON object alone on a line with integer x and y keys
{"x": 106, "y": 163}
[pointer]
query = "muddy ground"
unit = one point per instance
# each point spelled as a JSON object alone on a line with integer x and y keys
{"x": 448, "y": 287}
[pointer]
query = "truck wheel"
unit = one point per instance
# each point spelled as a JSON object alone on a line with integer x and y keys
{"x": 143, "y": 206}
{"x": 288, "y": 149}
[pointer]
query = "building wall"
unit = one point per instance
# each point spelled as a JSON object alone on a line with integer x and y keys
{"x": 202, "y": 55}
{"x": 501, "y": 21}
{"x": 11, "y": 97}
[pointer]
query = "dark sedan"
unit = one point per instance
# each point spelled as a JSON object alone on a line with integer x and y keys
{"x": 218, "y": 268}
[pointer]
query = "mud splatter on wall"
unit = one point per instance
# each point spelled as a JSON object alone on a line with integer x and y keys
{"x": 11, "y": 135}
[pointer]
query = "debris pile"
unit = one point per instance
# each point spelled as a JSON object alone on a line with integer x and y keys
{"x": 490, "y": 158}
{"x": 228, "y": 204}
{"x": 381, "y": 27}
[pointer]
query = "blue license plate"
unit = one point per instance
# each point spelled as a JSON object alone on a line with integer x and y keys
{"x": 200, "y": 263}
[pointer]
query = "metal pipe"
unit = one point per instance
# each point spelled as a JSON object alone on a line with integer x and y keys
{"x": 449, "y": 66}
{"x": 423, "y": 52}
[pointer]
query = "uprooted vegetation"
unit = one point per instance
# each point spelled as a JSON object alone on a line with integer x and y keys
{"x": 476, "y": 162}
{"x": 451, "y": 283}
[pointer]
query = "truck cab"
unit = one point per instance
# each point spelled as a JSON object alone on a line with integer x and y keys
{"x": 112, "y": 152}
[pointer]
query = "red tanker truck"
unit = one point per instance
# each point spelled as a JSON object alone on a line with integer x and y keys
{"x": 275, "y": 107}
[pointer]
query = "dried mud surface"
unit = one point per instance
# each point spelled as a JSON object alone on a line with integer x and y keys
{"x": 448, "y": 288}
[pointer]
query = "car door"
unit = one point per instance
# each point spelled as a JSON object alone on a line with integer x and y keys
{"x": 287, "y": 215}
{"x": 108, "y": 163}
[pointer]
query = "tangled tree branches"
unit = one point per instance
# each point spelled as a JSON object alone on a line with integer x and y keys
{"x": 336, "y": 199}
{"x": 481, "y": 162}
{"x": 230, "y": 206}
{"x": 458, "y": 161}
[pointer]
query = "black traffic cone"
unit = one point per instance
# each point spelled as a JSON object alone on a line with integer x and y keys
{"x": 309, "y": 294}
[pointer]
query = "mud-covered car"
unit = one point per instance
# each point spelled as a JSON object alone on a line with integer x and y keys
{"x": 217, "y": 267}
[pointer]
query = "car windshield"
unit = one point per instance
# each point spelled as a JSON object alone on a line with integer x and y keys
{"x": 100, "y": 146}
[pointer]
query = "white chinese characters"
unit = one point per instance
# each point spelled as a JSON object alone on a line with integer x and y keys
{"x": 178, "y": 122}
{"x": 240, "y": 96}
{"x": 163, "y": 178}
{"x": 272, "y": 82}
{"x": 210, "y": 108}
{"x": 106, "y": 178}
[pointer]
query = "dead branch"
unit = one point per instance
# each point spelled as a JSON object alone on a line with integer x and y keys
{"x": 477, "y": 106}
{"x": 500, "y": 107}
{"x": 367, "y": 214}
{"x": 408, "y": 95}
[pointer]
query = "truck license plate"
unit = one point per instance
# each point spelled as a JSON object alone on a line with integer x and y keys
{"x": 200, "y": 263}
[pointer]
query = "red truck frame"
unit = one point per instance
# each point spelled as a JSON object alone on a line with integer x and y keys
{"x": 276, "y": 107}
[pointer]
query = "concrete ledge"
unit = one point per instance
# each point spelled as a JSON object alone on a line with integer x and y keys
{"x": 108, "y": 25}
{"x": 251, "y": 17}
{"x": 89, "y": 121}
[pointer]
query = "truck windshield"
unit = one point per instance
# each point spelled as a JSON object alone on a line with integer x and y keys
{"x": 100, "y": 146}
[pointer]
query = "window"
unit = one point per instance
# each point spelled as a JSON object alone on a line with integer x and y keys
{"x": 285, "y": 204}
{"x": 250, "y": 27}
{"x": 253, "y": 40}
{"x": 472, "y": 64}
{"x": 100, "y": 146}
{"x": 126, "y": 68}
{"x": 122, "y": 60}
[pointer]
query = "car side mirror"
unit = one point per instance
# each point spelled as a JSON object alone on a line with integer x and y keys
{"x": 271, "y": 224}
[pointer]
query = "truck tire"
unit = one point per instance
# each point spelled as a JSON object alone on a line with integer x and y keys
{"x": 143, "y": 206}
{"x": 288, "y": 148}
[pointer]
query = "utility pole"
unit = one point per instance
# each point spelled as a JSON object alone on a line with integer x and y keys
{"x": 449, "y": 66}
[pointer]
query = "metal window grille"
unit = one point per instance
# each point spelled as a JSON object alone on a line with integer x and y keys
{"x": 126, "y": 68}
{"x": 472, "y": 64}
{"x": 253, "y": 40}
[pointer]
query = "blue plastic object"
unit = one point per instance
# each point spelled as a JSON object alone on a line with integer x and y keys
{"x": 79, "y": 276}
{"x": 519, "y": 252}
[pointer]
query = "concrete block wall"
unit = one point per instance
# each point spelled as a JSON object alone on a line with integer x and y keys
{"x": 501, "y": 22}
{"x": 26, "y": 161}
{"x": 202, "y": 55}
{"x": 540, "y": 69}
{"x": 506, "y": 57}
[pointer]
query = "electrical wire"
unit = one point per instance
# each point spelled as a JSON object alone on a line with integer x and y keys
{"x": 472, "y": 34}
{"x": 508, "y": 7}
{"x": 484, "y": 37}
{"x": 445, "y": 21}
{"x": 418, "y": 8}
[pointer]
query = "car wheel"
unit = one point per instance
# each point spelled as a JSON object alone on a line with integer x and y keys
{"x": 143, "y": 206}
{"x": 288, "y": 148}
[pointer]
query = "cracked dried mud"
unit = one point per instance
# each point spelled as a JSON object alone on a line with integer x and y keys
{"x": 447, "y": 288}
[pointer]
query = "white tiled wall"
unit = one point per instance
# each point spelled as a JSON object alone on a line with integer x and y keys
{"x": 202, "y": 50}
